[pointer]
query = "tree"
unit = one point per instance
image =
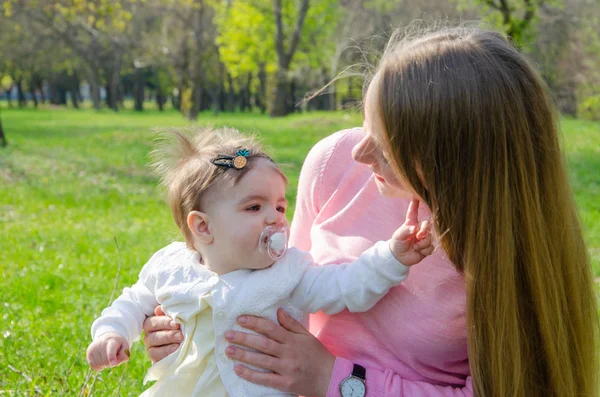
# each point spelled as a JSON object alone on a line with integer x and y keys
{"x": 280, "y": 105}
{"x": 516, "y": 16}
{"x": 3, "y": 141}
{"x": 246, "y": 46}
{"x": 96, "y": 30}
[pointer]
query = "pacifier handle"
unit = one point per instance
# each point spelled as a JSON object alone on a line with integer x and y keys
{"x": 273, "y": 241}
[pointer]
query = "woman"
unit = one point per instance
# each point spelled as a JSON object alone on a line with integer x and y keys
{"x": 459, "y": 120}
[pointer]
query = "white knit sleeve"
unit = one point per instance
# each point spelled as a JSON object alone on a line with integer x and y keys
{"x": 356, "y": 286}
{"x": 127, "y": 313}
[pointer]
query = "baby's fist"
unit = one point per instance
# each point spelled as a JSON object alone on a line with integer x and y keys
{"x": 109, "y": 350}
{"x": 412, "y": 241}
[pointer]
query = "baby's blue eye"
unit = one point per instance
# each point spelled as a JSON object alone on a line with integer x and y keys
{"x": 281, "y": 209}
{"x": 253, "y": 208}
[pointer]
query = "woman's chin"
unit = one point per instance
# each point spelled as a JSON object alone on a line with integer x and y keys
{"x": 392, "y": 192}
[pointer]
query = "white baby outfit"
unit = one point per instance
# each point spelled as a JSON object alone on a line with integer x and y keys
{"x": 207, "y": 305}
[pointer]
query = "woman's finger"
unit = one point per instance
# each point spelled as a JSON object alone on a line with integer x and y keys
{"x": 275, "y": 381}
{"x": 256, "y": 342}
{"x": 158, "y": 353}
{"x": 159, "y": 323}
{"x": 264, "y": 327}
{"x": 254, "y": 358}
{"x": 290, "y": 323}
{"x": 161, "y": 338}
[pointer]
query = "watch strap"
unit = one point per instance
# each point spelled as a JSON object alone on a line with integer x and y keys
{"x": 359, "y": 371}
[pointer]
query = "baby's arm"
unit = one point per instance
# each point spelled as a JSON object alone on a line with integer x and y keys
{"x": 119, "y": 326}
{"x": 357, "y": 286}
{"x": 121, "y": 323}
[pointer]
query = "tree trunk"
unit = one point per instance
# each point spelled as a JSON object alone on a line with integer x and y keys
{"x": 291, "y": 100}
{"x": 33, "y": 95}
{"x": 176, "y": 100}
{"x": 9, "y": 96}
{"x": 3, "y": 141}
{"x": 248, "y": 92}
{"x": 215, "y": 99}
{"x": 161, "y": 98}
{"x": 20, "y": 94}
{"x": 74, "y": 88}
{"x": 40, "y": 87}
{"x": 108, "y": 98}
{"x": 221, "y": 95}
{"x": 262, "y": 94}
{"x": 332, "y": 102}
{"x": 95, "y": 87}
{"x": 138, "y": 89}
{"x": 279, "y": 104}
{"x": 197, "y": 91}
{"x": 53, "y": 96}
{"x": 230, "y": 94}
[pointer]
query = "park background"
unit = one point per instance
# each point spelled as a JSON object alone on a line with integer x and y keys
{"x": 84, "y": 82}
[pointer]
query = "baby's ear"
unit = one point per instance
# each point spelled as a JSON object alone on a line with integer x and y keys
{"x": 198, "y": 224}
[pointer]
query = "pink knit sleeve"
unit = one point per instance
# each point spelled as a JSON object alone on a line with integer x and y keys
{"x": 388, "y": 384}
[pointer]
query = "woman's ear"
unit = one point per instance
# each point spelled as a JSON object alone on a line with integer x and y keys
{"x": 198, "y": 224}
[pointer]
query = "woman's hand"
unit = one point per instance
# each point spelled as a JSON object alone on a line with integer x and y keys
{"x": 300, "y": 363}
{"x": 163, "y": 335}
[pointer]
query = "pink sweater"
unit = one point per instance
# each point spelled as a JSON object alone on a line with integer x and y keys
{"x": 413, "y": 342}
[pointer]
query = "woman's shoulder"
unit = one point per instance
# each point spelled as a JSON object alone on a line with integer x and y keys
{"x": 331, "y": 157}
{"x": 335, "y": 145}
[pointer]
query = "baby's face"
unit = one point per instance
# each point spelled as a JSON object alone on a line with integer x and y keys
{"x": 239, "y": 214}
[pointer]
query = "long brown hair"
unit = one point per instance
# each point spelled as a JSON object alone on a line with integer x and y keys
{"x": 471, "y": 127}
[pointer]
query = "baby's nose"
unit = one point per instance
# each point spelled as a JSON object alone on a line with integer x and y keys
{"x": 274, "y": 218}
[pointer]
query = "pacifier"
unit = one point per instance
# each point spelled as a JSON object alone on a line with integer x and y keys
{"x": 273, "y": 241}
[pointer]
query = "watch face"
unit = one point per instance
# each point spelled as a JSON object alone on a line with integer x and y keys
{"x": 353, "y": 387}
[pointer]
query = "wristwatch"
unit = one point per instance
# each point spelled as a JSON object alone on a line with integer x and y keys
{"x": 355, "y": 385}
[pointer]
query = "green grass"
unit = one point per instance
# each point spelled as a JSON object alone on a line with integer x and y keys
{"x": 70, "y": 184}
{"x": 73, "y": 182}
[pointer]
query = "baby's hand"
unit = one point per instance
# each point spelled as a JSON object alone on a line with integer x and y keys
{"x": 412, "y": 241}
{"x": 109, "y": 350}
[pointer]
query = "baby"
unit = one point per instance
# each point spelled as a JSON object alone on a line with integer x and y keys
{"x": 228, "y": 199}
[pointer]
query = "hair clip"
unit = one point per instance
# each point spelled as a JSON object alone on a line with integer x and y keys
{"x": 238, "y": 161}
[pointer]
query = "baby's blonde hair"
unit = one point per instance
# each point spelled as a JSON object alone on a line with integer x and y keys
{"x": 182, "y": 160}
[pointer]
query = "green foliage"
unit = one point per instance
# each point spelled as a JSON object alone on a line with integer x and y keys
{"x": 5, "y": 82}
{"x": 246, "y": 38}
{"x": 316, "y": 45}
{"x": 589, "y": 108}
{"x": 517, "y": 18}
{"x": 247, "y": 34}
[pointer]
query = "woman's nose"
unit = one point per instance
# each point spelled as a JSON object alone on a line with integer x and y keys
{"x": 362, "y": 151}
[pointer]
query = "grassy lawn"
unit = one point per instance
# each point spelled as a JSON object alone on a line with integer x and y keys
{"x": 74, "y": 182}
